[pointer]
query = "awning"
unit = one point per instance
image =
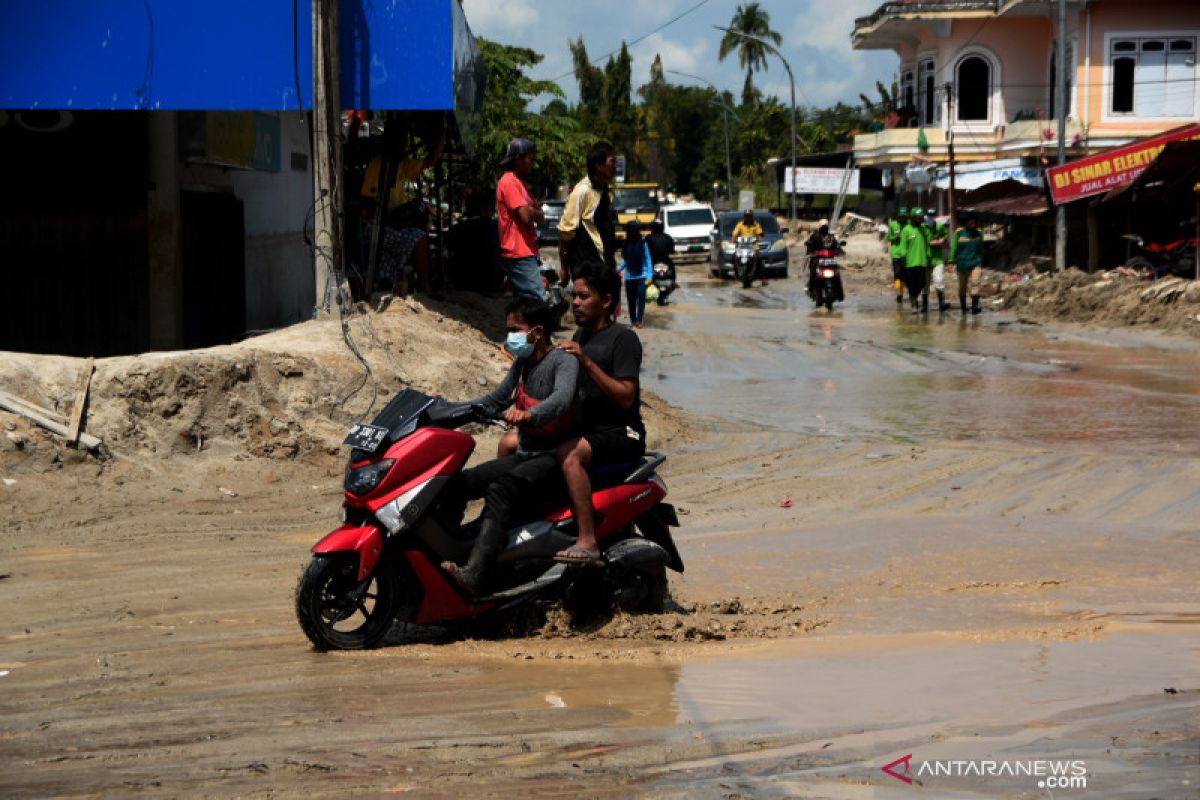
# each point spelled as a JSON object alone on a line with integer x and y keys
{"x": 1007, "y": 198}
{"x": 981, "y": 173}
{"x": 1177, "y": 165}
{"x": 232, "y": 55}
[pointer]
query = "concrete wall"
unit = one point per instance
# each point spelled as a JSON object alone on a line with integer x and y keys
{"x": 1146, "y": 18}
{"x": 279, "y": 264}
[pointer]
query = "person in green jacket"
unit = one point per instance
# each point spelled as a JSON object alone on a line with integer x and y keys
{"x": 916, "y": 259}
{"x": 938, "y": 234}
{"x": 966, "y": 254}
{"x": 897, "y": 251}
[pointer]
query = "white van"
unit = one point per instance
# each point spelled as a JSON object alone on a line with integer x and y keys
{"x": 689, "y": 224}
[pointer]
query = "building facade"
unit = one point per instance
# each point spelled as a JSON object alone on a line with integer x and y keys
{"x": 985, "y": 73}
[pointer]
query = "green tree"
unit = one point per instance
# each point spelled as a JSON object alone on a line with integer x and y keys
{"x": 560, "y": 139}
{"x": 749, "y": 19}
{"x": 591, "y": 86}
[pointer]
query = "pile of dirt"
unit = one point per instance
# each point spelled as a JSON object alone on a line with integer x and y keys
{"x": 1107, "y": 298}
{"x": 289, "y": 394}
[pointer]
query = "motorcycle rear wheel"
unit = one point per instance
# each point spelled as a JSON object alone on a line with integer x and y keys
{"x": 329, "y": 615}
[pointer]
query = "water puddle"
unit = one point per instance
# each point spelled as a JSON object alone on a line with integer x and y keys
{"x": 762, "y": 356}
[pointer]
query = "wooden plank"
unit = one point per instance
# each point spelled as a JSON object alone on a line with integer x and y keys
{"x": 43, "y": 417}
{"x": 81, "y": 391}
{"x": 28, "y": 406}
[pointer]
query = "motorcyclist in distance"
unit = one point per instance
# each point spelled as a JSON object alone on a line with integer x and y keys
{"x": 748, "y": 227}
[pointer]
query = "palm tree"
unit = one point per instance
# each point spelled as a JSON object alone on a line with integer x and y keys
{"x": 752, "y": 20}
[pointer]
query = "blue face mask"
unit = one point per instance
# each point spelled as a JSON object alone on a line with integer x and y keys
{"x": 518, "y": 344}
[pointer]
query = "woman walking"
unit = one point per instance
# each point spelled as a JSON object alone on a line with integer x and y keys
{"x": 637, "y": 270}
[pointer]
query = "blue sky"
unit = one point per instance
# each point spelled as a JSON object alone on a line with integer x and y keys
{"x": 816, "y": 41}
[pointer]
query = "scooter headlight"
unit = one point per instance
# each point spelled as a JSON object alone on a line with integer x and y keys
{"x": 361, "y": 481}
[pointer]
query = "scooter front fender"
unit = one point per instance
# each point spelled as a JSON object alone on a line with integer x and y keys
{"x": 364, "y": 540}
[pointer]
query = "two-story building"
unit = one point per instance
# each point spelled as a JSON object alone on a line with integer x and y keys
{"x": 984, "y": 71}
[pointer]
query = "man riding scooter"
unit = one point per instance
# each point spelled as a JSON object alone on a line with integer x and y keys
{"x": 539, "y": 394}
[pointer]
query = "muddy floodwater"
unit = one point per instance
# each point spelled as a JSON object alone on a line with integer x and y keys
{"x": 962, "y": 549}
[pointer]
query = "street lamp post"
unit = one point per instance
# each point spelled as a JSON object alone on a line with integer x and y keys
{"x": 725, "y": 123}
{"x": 792, "y": 79}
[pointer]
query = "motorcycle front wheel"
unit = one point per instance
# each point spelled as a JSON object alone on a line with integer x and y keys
{"x": 748, "y": 277}
{"x": 336, "y": 612}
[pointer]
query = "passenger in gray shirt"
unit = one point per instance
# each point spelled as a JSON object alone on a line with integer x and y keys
{"x": 538, "y": 396}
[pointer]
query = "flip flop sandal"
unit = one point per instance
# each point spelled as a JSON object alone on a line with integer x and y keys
{"x": 584, "y": 558}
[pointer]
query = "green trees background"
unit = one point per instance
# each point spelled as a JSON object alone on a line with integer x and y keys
{"x": 669, "y": 131}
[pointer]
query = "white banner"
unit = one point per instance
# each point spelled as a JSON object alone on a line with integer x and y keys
{"x": 819, "y": 180}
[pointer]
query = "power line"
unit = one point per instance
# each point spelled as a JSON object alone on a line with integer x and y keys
{"x": 666, "y": 24}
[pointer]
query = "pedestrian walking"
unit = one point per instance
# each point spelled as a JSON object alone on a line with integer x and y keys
{"x": 637, "y": 269}
{"x": 916, "y": 260}
{"x": 966, "y": 254}
{"x": 518, "y": 215}
{"x": 587, "y": 230}
{"x": 896, "y": 250}
{"x": 938, "y": 234}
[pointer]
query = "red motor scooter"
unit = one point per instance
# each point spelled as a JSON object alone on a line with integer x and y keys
{"x": 383, "y": 563}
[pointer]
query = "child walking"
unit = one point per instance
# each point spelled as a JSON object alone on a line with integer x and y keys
{"x": 638, "y": 271}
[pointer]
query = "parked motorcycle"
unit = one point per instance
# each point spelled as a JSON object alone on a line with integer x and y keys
{"x": 1164, "y": 258}
{"x": 664, "y": 279}
{"x": 383, "y": 563}
{"x": 558, "y": 297}
{"x": 747, "y": 263}
{"x": 825, "y": 275}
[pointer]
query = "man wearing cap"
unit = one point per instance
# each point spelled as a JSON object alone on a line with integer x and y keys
{"x": 895, "y": 226}
{"x": 916, "y": 260}
{"x": 518, "y": 215}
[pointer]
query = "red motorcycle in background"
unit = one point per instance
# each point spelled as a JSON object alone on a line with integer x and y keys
{"x": 1160, "y": 259}
{"x": 383, "y": 563}
{"x": 825, "y": 274}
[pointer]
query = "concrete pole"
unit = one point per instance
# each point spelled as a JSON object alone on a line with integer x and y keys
{"x": 1060, "y": 96}
{"x": 327, "y": 157}
{"x": 792, "y": 79}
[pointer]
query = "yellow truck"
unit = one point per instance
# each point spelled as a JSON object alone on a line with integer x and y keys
{"x": 635, "y": 201}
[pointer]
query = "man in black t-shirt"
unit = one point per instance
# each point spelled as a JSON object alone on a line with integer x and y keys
{"x": 661, "y": 246}
{"x": 609, "y": 399}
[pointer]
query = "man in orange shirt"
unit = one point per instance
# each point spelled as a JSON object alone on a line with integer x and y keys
{"x": 518, "y": 215}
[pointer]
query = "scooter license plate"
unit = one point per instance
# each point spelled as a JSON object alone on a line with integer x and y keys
{"x": 366, "y": 437}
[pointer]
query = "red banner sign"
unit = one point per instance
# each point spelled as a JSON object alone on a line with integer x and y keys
{"x": 1104, "y": 171}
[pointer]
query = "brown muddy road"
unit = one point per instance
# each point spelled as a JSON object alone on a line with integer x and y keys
{"x": 990, "y": 553}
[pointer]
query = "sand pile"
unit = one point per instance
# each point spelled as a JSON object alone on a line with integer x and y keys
{"x": 290, "y": 394}
{"x": 1111, "y": 298}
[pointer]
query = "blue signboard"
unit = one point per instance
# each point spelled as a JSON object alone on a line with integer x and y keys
{"x": 231, "y": 55}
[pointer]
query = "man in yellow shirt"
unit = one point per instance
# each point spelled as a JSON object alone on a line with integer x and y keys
{"x": 747, "y": 227}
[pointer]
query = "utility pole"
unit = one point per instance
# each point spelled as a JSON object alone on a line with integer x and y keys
{"x": 950, "y": 154}
{"x": 1060, "y": 97}
{"x": 327, "y": 157}
{"x": 725, "y": 123}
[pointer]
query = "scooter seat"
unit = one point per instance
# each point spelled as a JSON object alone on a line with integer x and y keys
{"x": 607, "y": 475}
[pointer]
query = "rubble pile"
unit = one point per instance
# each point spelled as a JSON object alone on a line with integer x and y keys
{"x": 1114, "y": 297}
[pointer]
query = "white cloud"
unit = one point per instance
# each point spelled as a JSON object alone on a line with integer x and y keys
{"x": 487, "y": 16}
{"x": 839, "y": 71}
{"x": 675, "y": 55}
